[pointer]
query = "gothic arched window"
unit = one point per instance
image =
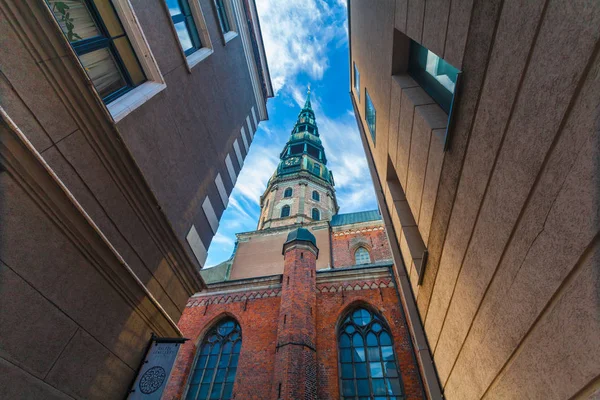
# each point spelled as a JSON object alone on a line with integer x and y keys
{"x": 214, "y": 372}
{"x": 316, "y": 215}
{"x": 288, "y": 192}
{"x": 362, "y": 256}
{"x": 285, "y": 211}
{"x": 368, "y": 366}
{"x": 316, "y": 196}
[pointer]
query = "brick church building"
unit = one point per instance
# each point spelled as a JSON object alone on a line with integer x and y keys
{"x": 307, "y": 306}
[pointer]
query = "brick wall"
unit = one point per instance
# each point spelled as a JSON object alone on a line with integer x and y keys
{"x": 258, "y": 316}
{"x": 345, "y": 241}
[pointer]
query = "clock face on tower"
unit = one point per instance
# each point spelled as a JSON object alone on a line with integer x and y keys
{"x": 291, "y": 161}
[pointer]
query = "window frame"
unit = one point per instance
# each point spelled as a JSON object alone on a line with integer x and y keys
{"x": 356, "y": 81}
{"x": 372, "y": 126}
{"x": 364, "y": 331}
{"x": 226, "y": 9}
{"x": 286, "y": 191}
{"x": 318, "y": 213}
{"x": 200, "y": 344}
{"x": 206, "y": 47}
{"x": 368, "y": 254}
{"x": 316, "y": 196}
{"x": 289, "y": 211}
{"x": 121, "y": 106}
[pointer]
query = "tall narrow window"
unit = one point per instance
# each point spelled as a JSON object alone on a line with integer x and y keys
{"x": 96, "y": 34}
{"x": 288, "y": 192}
{"x": 356, "y": 81}
{"x": 361, "y": 256}
{"x": 214, "y": 372}
{"x": 368, "y": 366}
{"x": 285, "y": 211}
{"x": 434, "y": 74}
{"x": 370, "y": 115}
{"x": 184, "y": 25}
{"x": 222, "y": 14}
{"x": 316, "y": 196}
{"x": 317, "y": 169}
{"x": 316, "y": 214}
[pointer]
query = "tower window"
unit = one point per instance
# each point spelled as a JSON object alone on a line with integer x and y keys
{"x": 316, "y": 196}
{"x": 285, "y": 211}
{"x": 213, "y": 374}
{"x": 288, "y": 192}
{"x": 316, "y": 214}
{"x": 370, "y": 115}
{"x": 97, "y": 36}
{"x": 317, "y": 169}
{"x": 184, "y": 25}
{"x": 362, "y": 256}
{"x": 367, "y": 358}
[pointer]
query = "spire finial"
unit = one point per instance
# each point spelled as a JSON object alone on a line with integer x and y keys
{"x": 307, "y": 103}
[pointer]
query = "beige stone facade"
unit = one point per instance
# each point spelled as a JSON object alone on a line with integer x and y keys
{"x": 496, "y": 214}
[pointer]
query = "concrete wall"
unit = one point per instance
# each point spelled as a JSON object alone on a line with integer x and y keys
{"x": 509, "y": 293}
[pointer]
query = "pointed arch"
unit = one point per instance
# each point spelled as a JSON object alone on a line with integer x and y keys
{"x": 367, "y": 361}
{"x": 215, "y": 365}
{"x": 362, "y": 256}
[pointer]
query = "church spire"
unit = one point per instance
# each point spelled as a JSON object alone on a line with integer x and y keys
{"x": 307, "y": 105}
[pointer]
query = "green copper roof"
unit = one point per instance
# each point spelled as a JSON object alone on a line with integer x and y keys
{"x": 355, "y": 218}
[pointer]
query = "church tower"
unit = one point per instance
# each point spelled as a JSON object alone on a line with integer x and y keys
{"x": 302, "y": 188}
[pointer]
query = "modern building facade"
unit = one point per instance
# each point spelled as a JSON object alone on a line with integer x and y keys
{"x": 124, "y": 126}
{"x": 480, "y": 120}
{"x": 307, "y": 307}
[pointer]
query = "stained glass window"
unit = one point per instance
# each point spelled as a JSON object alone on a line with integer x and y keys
{"x": 216, "y": 363}
{"x": 97, "y": 36}
{"x": 367, "y": 361}
{"x": 361, "y": 256}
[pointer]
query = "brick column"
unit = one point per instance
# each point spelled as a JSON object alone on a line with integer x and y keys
{"x": 295, "y": 375}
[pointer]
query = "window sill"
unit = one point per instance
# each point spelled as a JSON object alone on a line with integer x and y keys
{"x": 230, "y": 36}
{"x": 198, "y": 56}
{"x": 127, "y": 103}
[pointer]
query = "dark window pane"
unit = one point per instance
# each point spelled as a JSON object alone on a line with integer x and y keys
{"x": 347, "y": 371}
{"x": 216, "y": 391}
{"x": 344, "y": 341}
{"x": 224, "y": 361}
{"x": 204, "y": 391}
{"x": 208, "y": 375}
{"x": 360, "y": 369}
{"x": 378, "y": 386}
{"x": 345, "y": 355}
{"x": 212, "y": 361}
{"x": 191, "y": 394}
{"x": 197, "y": 376}
{"x": 362, "y": 387}
{"x": 237, "y": 346}
{"x": 395, "y": 386}
{"x": 390, "y": 369}
{"x": 384, "y": 339}
{"x": 205, "y": 349}
{"x": 361, "y": 317}
{"x": 230, "y": 375}
{"x": 227, "y": 391}
{"x": 220, "y": 377}
{"x": 234, "y": 360}
{"x": 227, "y": 348}
{"x": 374, "y": 354}
{"x": 376, "y": 327}
{"x": 348, "y": 388}
{"x": 357, "y": 340}
{"x": 371, "y": 339}
{"x": 201, "y": 361}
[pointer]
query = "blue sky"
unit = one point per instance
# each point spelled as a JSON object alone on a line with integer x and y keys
{"x": 306, "y": 42}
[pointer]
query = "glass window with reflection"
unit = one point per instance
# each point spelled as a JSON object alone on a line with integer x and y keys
{"x": 223, "y": 17}
{"x": 316, "y": 196}
{"x": 370, "y": 115}
{"x": 433, "y": 74}
{"x": 316, "y": 215}
{"x": 95, "y": 33}
{"x": 288, "y": 192}
{"x": 213, "y": 374}
{"x": 285, "y": 211}
{"x": 356, "y": 80}
{"x": 367, "y": 361}
{"x": 181, "y": 14}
